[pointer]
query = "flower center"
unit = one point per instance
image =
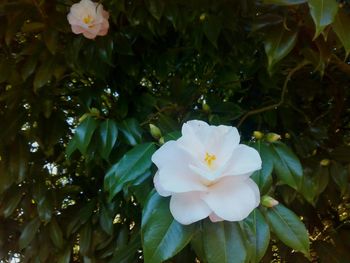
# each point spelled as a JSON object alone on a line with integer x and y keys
{"x": 209, "y": 159}
{"x": 87, "y": 19}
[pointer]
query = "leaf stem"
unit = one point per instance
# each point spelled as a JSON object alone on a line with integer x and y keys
{"x": 282, "y": 99}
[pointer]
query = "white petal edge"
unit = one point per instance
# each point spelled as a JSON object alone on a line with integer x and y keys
{"x": 244, "y": 160}
{"x": 188, "y": 208}
{"x": 232, "y": 199}
{"x": 161, "y": 191}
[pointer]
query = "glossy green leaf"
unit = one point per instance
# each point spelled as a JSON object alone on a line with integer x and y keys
{"x": 162, "y": 239}
{"x": 56, "y": 234}
{"x": 65, "y": 256}
{"x": 172, "y": 136}
{"x": 108, "y": 134}
{"x": 131, "y": 131}
{"x": 263, "y": 177}
{"x": 221, "y": 242}
{"x": 106, "y": 219}
{"x": 84, "y": 132}
{"x": 29, "y": 232}
{"x": 341, "y": 28}
{"x": 278, "y": 43}
{"x": 29, "y": 66}
{"x": 43, "y": 74}
{"x": 323, "y": 13}
{"x": 288, "y": 228}
{"x": 286, "y": 165}
{"x": 258, "y": 232}
{"x": 132, "y": 165}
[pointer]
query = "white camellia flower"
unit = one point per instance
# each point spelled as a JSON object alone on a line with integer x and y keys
{"x": 206, "y": 172}
{"x": 88, "y": 18}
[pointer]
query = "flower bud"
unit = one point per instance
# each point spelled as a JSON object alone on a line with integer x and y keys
{"x": 94, "y": 112}
{"x": 325, "y": 162}
{"x": 161, "y": 141}
{"x": 268, "y": 201}
{"x": 205, "y": 107}
{"x": 202, "y": 17}
{"x": 287, "y": 135}
{"x": 155, "y": 132}
{"x": 258, "y": 135}
{"x": 83, "y": 117}
{"x": 272, "y": 137}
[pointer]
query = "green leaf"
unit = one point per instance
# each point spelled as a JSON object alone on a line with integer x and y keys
{"x": 108, "y": 135}
{"x": 340, "y": 176}
{"x": 284, "y": 2}
{"x": 65, "y": 256}
{"x": 212, "y": 28}
{"x": 221, "y": 242}
{"x": 43, "y": 74}
{"x": 288, "y": 228}
{"x": 131, "y": 131}
{"x": 162, "y": 236}
{"x": 156, "y": 8}
{"x": 172, "y": 136}
{"x": 323, "y": 13}
{"x": 10, "y": 204}
{"x": 56, "y": 234}
{"x": 341, "y": 28}
{"x": 278, "y": 43}
{"x": 286, "y": 165}
{"x": 263, "y": 177}
{"x": 85, "y": 239}
{"x": 258, "y": 232}
{"x": 29, "y": 233}
{"x": 84, "y": 132}
{"x": 29, "y": 66}
{"x": 132, "y": 165}
{"x": 106, "y": 219}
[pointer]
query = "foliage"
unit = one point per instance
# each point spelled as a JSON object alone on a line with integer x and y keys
{"x": 75, "y": 145}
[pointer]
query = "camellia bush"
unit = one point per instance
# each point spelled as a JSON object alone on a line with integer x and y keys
{"x": 174, "y": 131}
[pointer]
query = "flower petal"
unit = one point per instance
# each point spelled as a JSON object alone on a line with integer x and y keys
{"x": 188, "y": 208}
{"x": 174, "y": 173}
{"x": 214, "y": 218}
{"x": 244, "y": 160}
{"x": 233, "y": 199}
{"x": 161, "y": 191}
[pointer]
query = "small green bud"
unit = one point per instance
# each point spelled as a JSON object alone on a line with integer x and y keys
{"x": 287, "y": 135}
{"x": 325, "y": 162}
{"x": 272, "y": 137}
{"x": 155, "y": 131}
{"x": 161, "y": 141}
{"x": 202, "y": 17}
{"x": 205, "y": 107}
{"x": 94, "y": 112}
{"x": 268, "y": 201}
{"x": 82, "y": 118}
{"x": 258, "y": 135}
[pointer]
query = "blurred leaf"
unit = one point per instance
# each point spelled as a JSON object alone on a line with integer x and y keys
{"x": 106, "y": 219}
{"x": 133, "y": 164}
{"x": 284, "y": 2}
{"x": 341, "y": 28}
{"x": 288, "y": 228}
{"x": 65, "y": 256}
{"x": 43, "y": 74}
{"x": 32, "y": 27}
{"x": 156, "y": 8}
{"x": 163, "y": 238}
{"x": 323, "y": 13}
{"x": 286, "y": 165}
{"x": 131, "y": 131}
{"x": 10, "y": 204}
{"x": 340, "y": 176}
{"x": 278, "y": 43}
{"x": 212, "y": 27}
{"x": 263, "y": 177}
{"x": 56, "y": 234}
{"x": 341, "y": 154}
{"x": 258, "y": 233}
{"x": 108, "y": 135}
{"x": 29, "y": 232}
{"x": 85, "y": 239}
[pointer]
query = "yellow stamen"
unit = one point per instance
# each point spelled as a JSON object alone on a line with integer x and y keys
{"x": 209, "y": 159}
{"x": 87, "y": 19}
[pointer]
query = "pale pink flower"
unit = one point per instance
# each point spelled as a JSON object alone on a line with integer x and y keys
{"x": 88, "y": 18}
{"x": 206, "y": 172}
